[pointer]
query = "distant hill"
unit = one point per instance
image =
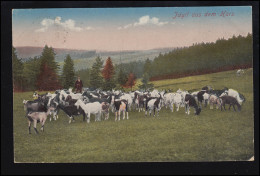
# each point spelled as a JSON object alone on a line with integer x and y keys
{"x": 28, "y": 51}
{"x": 85, "y": 58}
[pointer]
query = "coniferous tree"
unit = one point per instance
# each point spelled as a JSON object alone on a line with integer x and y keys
{"x": 68, "y": 72}
{"x": 108, "y": 70}
{"x": 48, "y": 57}
{"x": 48, "y": 71}
{"x": 108, "y": 75}
{"x": 203, "y": 58}
{"x": 147, "y": 67}
{"x": 47, "y": 79}
{"x": 121, "y": 77}
{"x": 17, "y": 71}
{"x": 96, "y": 80}
{"x": 130, "y": 81}
{"x": 145, "y": 83}
{"x": 31, "y": 71}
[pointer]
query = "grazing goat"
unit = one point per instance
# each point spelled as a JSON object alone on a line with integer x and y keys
{"x": 231, "y": 101}
{"x": 239, "y": 97}
{"x": 190, "y": 101}
{"x": 71, "y": 111}
{"x": 240, "y": 72}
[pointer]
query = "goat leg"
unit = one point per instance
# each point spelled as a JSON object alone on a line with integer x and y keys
{"x": 34, "y": 126}
{"x": 42, "y": 128}
{"x": 29, "y": 124}
{"x": 84, "y": 118}
{"x": 36, "y": 131}
{"x": 43, "y": 122}
{"x": 70, "y": 119}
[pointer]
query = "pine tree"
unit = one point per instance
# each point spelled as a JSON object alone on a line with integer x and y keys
{"x": 48, "y": 57}
{"x": 48, "y": 71}
{"x": 121, "y": 77}
{"x": 96, "y": 80}
{"x": 130, "y": 81}
{"x": 68, "y": 73}
{"x": 108, "y": 75}
{"x": 17, "y": 71}
{"x": 108, "y": 70}
{"x": 31, "y": 71}
{"x": 147, "y": 67}
{"x": 47, "y": 79}
{"x": 145, "y": 83}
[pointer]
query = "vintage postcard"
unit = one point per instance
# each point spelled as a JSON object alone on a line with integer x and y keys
{"x": 135, "y": 84}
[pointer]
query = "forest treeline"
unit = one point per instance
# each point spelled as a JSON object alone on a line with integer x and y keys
{"x": 123, "y": 69}
{"x": 202, "y": 58}
{"x": 44, "y": 73}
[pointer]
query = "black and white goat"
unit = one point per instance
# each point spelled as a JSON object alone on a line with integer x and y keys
{"x": 203, "y": 97}
{"x": 71, "y": 111}
{"x": 119, "y": 105}
{"x": 191, "y": 102}
{"x": 153, "y": 103}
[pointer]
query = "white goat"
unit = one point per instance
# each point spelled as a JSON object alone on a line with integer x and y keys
{"x": 90, "y": 108}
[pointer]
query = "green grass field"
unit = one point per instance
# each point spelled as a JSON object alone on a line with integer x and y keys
{"x": 173, "y": 137}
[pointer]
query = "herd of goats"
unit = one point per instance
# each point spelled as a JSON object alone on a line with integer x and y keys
{"x": 99, "y": 103}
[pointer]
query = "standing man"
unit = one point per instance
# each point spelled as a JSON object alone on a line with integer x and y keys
{"x": 78, "y": 85}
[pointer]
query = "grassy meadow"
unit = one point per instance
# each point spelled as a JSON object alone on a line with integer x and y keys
{"x": 173, "y": 137}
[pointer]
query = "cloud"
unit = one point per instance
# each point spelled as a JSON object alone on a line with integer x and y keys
{"x": 145, "y": 20}
{"x": 68, "y": 24}
{"x": 89, "y": 28}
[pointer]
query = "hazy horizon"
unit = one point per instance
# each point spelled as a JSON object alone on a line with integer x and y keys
{"x": 94, "y": 49}
{"x": 127, "y": 29}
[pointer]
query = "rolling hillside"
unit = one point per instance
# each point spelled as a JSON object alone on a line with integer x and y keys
{"x": 84, "y": 58}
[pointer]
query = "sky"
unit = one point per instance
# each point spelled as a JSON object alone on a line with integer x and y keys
{"x": 117, "y": 29}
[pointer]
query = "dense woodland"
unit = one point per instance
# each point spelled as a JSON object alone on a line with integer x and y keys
{"x": 44, "y": 73}
{"x": 236, "y": 52}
